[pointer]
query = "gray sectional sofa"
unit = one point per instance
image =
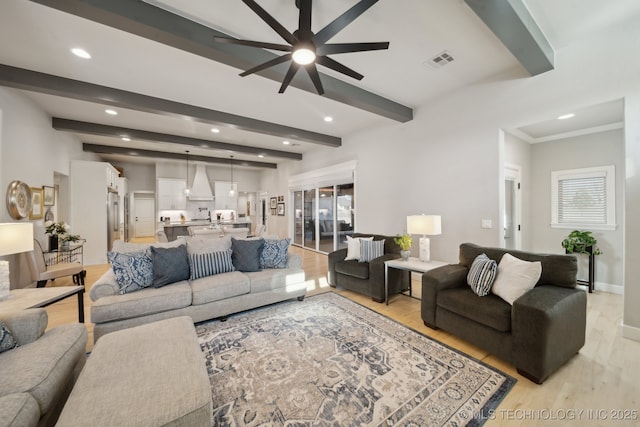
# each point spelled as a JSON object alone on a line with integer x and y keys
{"x": 202, "y": 299}
{"x": 541, "y": 331}
{"x": 37, "y": 376}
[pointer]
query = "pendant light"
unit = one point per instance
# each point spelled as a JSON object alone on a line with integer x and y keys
{"x": 231, "y": 192}
{"x": 187, "y": 190}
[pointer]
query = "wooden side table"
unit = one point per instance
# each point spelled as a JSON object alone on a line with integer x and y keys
{"x": 413, "y": 265}
{"x": 21, "y": 299}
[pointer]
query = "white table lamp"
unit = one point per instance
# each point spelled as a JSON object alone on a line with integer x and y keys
{"x": 15, "y": 237}
{"x": 427, "y": 225}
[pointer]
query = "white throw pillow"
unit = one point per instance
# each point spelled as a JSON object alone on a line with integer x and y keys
{"x": 353, "y": 247}
{"x": 515, "y": 277}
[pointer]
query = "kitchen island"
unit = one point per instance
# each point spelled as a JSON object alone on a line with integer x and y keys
{"x": 175, "y": 229}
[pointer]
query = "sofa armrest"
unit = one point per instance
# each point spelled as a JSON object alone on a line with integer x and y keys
{"x": 26, "y": 326}
{"x": 106, "y": 285}
{"x": 294, "y": 261}
{"x": 433, "y": 281}
{"x": 332, "y": 259}
{"x": 548, "y": 324}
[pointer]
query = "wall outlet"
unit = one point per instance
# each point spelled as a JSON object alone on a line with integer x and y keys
{"x": 487, "y": 223}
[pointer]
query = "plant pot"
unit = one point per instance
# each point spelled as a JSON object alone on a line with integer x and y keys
{"x": 405, "y": 255}
{"x": 66, "y": 245}
{"x": 53, "y": 243}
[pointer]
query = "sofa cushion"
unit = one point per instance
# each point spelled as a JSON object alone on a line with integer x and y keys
{"x": 353, "y": 268}
{"x": 133, "y": 271}
{"x": 44, "y": 367}
{"x": 205, "y": 245}
{"x": 219, "y": 287}
{"x": 141, "y": 303}
{"x": 490, "y": 310}
{"x": 129, "y": 247}
{"x": 6, "y": 339}
{"x": 353, "y": 247}
{"x": 246, "y": 254}
{"x": 274, "y": 253}
{"x": 170, "y": 265}
{"x": 19, "y": 410}
{"x": 203, "y": 265}
{"x": 270, "y": 279}
{"x": 482, "y": 274}
{"x": 370, "y": 250}
{"x": 515, "y": 277}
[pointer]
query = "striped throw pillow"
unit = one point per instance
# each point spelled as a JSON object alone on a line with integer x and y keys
{"x": 371, "y": 249}
{"x": 481, "y": 274}
{"x": 211, "y": 263}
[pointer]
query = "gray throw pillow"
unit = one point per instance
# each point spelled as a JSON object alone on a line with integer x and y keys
{"x": 170, "y": 265}
{"x": 7, "y": 342}
{"x": 481, "y": 274}
{"x": 245, "y": 254}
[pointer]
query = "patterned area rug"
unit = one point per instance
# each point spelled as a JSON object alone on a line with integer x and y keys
{"x": 327, "y": 361}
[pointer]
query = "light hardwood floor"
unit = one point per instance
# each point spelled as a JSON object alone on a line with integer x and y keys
{"x": 596, "y": 388}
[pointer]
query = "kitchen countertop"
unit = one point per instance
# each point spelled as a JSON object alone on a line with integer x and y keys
{"x": 201, "y": 222}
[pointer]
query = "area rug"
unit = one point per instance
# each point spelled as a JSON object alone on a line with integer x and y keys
{"x": 328, "y": 361}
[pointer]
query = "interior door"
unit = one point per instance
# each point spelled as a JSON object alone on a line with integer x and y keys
{"x": 144, "y": 217}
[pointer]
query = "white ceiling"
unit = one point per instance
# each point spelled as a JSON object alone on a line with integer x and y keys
{"x": 41, "y": 37}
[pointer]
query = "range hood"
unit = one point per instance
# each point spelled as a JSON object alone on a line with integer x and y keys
{"x": 201, "y": 189}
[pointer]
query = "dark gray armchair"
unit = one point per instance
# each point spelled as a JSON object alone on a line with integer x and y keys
{"x": 543, "y": 329}
{"x": 368, "y": 277}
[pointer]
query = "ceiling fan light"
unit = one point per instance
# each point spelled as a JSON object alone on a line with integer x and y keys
{"x": 303, "y": 56}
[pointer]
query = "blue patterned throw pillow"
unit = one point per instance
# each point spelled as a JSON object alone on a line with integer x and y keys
{"x": 245, "y": 254}
{"x": 371, "y": 249}
{"x": 208, "y": 264}
{"x": 133, "y": 271}
{"x": 7, "y": 342}
{"x": 274, "y": 253}
{"x": 481, "y": 274}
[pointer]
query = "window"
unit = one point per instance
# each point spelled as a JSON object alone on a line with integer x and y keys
{"x": 583, "y": 198}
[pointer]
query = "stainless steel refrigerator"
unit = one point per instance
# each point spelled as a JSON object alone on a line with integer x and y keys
{"x": 113, "y": 220}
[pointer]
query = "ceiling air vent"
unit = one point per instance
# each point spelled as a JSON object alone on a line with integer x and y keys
{"x": 440, "y": 60}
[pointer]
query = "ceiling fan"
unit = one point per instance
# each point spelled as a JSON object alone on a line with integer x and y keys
{"x": 306, "y": 48}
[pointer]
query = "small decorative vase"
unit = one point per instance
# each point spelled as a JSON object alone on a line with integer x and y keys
{"x": 405, "y": 255}
{"x": 66, "y": 245}
{"x": 53, "y": 243}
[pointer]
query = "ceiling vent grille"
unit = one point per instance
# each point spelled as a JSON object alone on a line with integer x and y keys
{"x": 440, "y": 60}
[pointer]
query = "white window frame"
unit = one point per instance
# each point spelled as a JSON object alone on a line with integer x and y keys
{"x": 609, "y": 173}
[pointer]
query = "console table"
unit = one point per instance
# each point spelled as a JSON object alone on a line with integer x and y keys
{"x": 413, "y": 265}
{"x": 21, "y": 299}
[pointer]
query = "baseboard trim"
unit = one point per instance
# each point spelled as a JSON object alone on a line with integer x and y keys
{"x": 630, "y": 332}
{"x": 608, "y": 287}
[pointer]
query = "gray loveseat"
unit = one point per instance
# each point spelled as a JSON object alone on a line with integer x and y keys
{"x": 37, "y": 376}
{"x": 202, "y": 299}
{"x": 368, "y": 277}
{"x": 540, "y": 332}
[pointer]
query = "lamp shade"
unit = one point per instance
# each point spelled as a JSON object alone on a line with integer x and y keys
{"x": 16, "y": 237}
{"x": 427, "y": 225}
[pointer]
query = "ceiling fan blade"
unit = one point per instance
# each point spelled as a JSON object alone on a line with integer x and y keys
{"x": 312, "y": 70}
{"x": 304, "y": 22}
{"x": 335, "y": 65}
{"x": 331, "y": 49}
{"x": 342, "y": 21}
{"x": 265, "y": 65}
{"x": 293, "y": 69}
{"x": 251, "y": 43}
{"x": 271, "y": 21}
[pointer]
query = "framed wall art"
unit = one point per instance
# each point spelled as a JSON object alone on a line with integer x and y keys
{"x": 273, "y": 202}
{"x": 37, "y": 204}
{"x": 49, "y": 195}
{"x": 281, "y": 209}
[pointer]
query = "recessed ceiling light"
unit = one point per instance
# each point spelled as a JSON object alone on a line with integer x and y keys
{"x": 261, "y": 156}
{"x": 126, "y": 138}
{"x": 286, "y": 143}
{"x": 80, "y": 53}
{"x": 111, "y": 112}
{"x": 328, "y": 119}
{"x": 215, "y": 130}
{"x": 566, "y": 116}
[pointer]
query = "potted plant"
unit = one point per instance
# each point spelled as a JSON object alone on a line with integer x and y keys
{"x": 55, "y": 230}
{"x": 67, "y": 239}
{"x": 405, "y": 241}
{"x": 581, "y": 242}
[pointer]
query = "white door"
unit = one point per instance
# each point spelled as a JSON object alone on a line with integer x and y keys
{"x": 512, "y": 208}
{"x": 144, "y": 217}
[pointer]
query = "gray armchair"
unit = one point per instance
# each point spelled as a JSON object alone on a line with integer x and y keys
{"x": 38, "y": 375}
{"x": 543, "y": 329}
{"x": 368, "y": 277}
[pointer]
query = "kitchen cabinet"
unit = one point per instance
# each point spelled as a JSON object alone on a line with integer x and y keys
{"x": 171, "y": 194}
{"x": 112, "y": 177}
{"x": 223, "y": 199}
